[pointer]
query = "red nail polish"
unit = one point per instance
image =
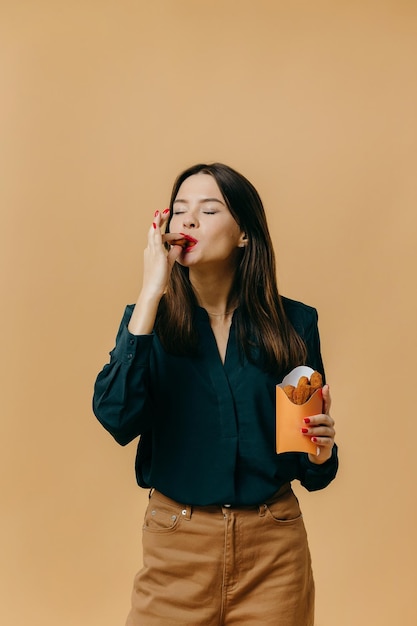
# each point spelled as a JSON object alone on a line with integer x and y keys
{"x": 304, "y": 430}
{"x": 166, "y": 211}
{"x": 306, "y": 420}
{"x": 153, "y": 224}
{"x": 156, "y": 213}
{"x": 314, "y": 439}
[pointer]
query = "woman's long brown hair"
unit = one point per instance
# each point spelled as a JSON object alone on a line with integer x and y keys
{"x": 263, "y": 330}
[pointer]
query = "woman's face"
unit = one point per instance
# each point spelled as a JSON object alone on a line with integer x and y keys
{"x": 200, "y": 212}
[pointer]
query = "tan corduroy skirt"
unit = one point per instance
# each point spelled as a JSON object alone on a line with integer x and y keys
{"x": 224, "y": 565}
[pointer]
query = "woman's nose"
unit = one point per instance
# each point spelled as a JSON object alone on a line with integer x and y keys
{"x": 190, "y": 221}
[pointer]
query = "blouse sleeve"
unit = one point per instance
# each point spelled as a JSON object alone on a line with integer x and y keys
{"x": 313, "y": 476}
{"x": 121, "y": 400}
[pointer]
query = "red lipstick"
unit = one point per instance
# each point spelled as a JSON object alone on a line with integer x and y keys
{"x": 186, "y": 242}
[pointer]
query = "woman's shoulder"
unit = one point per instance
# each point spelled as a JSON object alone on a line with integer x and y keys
{"x": 301, "y": 315}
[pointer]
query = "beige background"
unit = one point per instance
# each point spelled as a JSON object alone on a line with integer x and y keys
{"x": 102, "y": 104}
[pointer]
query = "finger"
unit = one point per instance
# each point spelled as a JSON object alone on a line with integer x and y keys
{"x": 323, "y": 442}
{"x": 319, "y": 431}
{"x": 154, "y": 234}
{"x": 164, "y": 216}
{"x": 175, "y": 239}
{"x": 322, "y": 419}
{"x": 327, "y": 401}
{"x": 160, "y": 217}
{"x": 155, "y": 222}
{"x": 173, "y": 254}
{"x": 323, "y": 451}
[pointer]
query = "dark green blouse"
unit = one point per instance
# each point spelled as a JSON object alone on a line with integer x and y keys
{"x": 207, "y": 429}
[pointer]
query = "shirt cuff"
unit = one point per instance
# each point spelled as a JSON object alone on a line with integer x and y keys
{"x": 132, "y": 348}
{"x": 319, "y": 476}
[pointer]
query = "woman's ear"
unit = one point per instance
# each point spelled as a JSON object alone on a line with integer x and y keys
{"x": 243, "y": 240}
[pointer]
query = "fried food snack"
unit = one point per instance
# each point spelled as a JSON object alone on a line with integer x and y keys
{"x": 316, "y": 380}
{"x": 289, "y": 390}
{"x": 304, "y": 389}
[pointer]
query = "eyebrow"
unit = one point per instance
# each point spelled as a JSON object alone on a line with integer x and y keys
{"x": 203, "y": 200}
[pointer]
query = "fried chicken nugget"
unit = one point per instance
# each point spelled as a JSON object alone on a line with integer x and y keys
{"x": 289, "y": 390}
{"x": 316, "y": 380}
{"x": 302, "y": 391}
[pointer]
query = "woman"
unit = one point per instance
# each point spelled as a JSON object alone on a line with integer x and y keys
{"x": 194, "y": 372}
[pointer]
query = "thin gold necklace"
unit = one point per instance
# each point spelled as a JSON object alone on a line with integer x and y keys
{"x": 220, "y": 314}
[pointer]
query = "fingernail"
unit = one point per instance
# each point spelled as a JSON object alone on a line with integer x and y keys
{"x": 166, "y": 211}
{"x": 156, "y": 213}
{"x": 304, "y": 430}
{"x": 153, "y": 224}
{"x": 306, "y": 420}
{"x": 314, "y": 439}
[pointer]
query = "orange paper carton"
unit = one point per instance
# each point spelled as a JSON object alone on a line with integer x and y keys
{"x": 290, "y": 416}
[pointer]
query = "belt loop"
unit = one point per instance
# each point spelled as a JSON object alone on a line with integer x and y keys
{"x": 262, "y": 509}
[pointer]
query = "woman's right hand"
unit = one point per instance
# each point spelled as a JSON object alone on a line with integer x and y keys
{"x": 157, "y": 266}
{"x": 157, "y": 262}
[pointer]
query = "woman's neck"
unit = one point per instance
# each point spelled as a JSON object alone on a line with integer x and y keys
{"x": 213, "y": 292}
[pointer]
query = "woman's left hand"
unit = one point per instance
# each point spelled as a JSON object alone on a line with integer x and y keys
{"x": 320, "y": 429}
